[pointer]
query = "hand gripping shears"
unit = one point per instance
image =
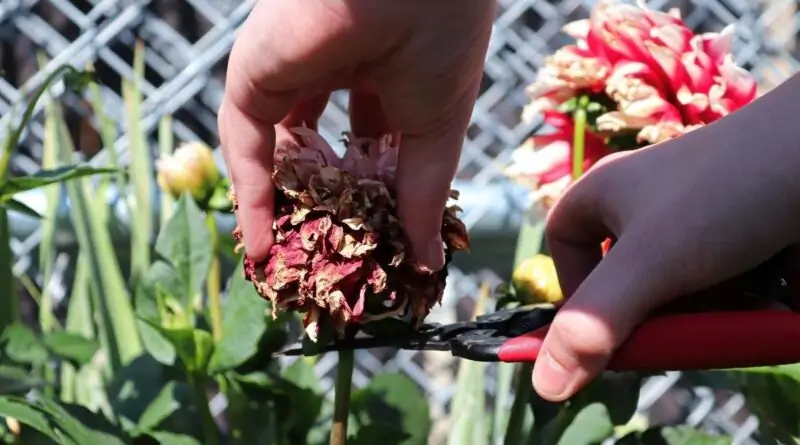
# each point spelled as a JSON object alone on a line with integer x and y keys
{"x": 665, "y": 341}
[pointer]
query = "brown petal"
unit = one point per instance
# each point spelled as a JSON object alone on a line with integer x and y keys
{"x": 311, "y": 232}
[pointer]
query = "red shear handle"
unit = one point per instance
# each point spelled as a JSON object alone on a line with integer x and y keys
{"x": 710, "y": 340}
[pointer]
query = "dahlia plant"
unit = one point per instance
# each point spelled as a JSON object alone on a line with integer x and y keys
{"x": 340, "y": 255}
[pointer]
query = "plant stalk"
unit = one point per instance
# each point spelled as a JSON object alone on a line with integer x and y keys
{"x": 9, "y": 314}
{"x": 341, "y": 400}
{"x": 210, "y": 431}
{"x": 579, "y": 137}
{"x": 516, "y": 419}
{"x": 213, "y": 282}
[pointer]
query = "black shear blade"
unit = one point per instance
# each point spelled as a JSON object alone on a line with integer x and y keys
{"x": 369, "y": 343}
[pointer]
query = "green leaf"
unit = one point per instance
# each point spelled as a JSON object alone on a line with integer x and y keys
{"x": 15, "y": 380}
{"x": 21, "y": 208}
{"x": 244, "y": 321}
{"x": 134, "y": 388}
{"x": 680, "y": 435}
{"x": 469, "y": 423}
{"x": 75, "y": 348}
{"x": 141, "y": 169}
{"x": 171, "y": 399}
{"x": 26, "y": 414}
{"x": 22, "y": 345}
{"x": 589, "y": 426}
{"x": 589, "y": 417}
{"x": 303, "y": 395}
{"x": 63, "y": 424}
{"x": 47, "y": 177}
{"x": 111, "y": 302}
{"x": 773, "y": 394}
{"x": 192, "y": 346}
{"x": 184, "y": 242}
{"x": 9, "y": 307}
{"x": 394, "y": 403}
{"x": 529, "y": 241}
{"x": 164, "y": 437}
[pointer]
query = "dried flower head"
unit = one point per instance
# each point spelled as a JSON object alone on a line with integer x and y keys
{"x": 339, "y": 249}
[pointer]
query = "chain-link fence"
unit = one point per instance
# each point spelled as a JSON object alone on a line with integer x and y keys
{"x": 187, "y": 42}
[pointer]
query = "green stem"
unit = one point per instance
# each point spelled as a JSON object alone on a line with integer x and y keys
{"x": 579, "y": 137}
{"x": 213, "y": 282}
{"x": 516, "y": 419}
{"x": 9, "y": 310}
{"x": 341, "y": 401}
{"x": 210, "y": 431}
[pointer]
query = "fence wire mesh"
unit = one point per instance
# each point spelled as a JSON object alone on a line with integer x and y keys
{"x": 187, "y": 42}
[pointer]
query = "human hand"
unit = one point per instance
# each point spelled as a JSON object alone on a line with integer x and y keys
{"x": 413, "y": 67}
{"x": 686, "y": 215}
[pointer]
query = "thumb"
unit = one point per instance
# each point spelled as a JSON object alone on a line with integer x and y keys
{"x": 613, "y": 299}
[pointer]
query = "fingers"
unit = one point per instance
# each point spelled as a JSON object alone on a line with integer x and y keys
{"x": 616, "y": 296}
{"x": 367, "y": 118}
{"x": 265, "y": 93}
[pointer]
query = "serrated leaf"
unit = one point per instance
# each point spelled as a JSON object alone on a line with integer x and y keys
{"x": 193, "y": 347}
{"x": 21, "y": 208}
{"x": 75, "y": 348}
{"x": 394, "y": 403}
{"x": 184, "y": 242}
{"x": 22, "y": 345}
{"x": 47, "y": 177}
{"x": 243, "y": 324}
{"x": 773, "y": 394}
{"x": 172, "y": 398}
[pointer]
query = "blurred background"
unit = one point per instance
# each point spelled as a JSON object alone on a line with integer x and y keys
{"x": 186, "y": 44}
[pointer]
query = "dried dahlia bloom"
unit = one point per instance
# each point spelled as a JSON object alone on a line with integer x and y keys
{"x": 339, "y": 249}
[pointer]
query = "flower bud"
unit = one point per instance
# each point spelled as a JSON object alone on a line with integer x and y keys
{"x": 536, "y": 281}
{"x": 190, "y": 169}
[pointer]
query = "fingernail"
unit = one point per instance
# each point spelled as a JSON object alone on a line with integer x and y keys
{"x": 550, "y": 378}
{"x": 435, "y": 255}
{"x": 431, "y": 259}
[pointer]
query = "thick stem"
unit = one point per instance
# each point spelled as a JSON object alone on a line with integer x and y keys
{"x": 579, "y": 137}
{"x": 210, "y": 431}
{"x": 516, "y": 419}
{"x": 341, "y": 401}
{"x": 213, "y": 283}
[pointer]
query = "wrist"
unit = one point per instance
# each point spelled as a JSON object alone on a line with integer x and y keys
{"x": 765, "y": 137}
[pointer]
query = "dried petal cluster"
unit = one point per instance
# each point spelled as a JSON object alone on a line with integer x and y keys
{"x": 340, "y": 250}
{"x": 655, "y": 78}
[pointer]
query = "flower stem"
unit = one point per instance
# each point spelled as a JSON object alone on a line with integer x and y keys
{"x": 210, "y": 432}
{"x": 516, "y": 419}
{"x": 579, "y": 137}
{"x": 341, "y": 400}
{"x": 213, "y": 283}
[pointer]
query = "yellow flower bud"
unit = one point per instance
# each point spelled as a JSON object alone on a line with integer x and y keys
{"x": 191, "y": 168}
{"x": 536, "y": 281}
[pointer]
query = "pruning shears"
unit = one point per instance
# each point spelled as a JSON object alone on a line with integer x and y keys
{"x": 710, "y": 339}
